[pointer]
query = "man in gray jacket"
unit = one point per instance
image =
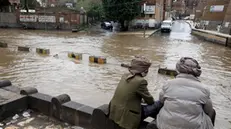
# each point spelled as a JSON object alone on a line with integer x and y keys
{"x": 187, "y": 103}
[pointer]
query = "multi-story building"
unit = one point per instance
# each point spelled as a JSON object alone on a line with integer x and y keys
{"x": 227, "y": 20}
{"x": 163, "y": 9}
{"x": 212, "y": 13}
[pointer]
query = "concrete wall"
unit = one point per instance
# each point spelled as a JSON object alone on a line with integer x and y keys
{"x": 211, "y": 25}
{"x": 226, "y": 41}
{"x": 63, "y": 21}
{"x": 8, "y": 20}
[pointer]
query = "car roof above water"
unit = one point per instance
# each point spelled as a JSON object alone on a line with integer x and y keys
{"x": 167, "y": 21}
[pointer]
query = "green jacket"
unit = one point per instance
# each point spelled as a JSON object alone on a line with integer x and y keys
{"x": 125, "y": 106}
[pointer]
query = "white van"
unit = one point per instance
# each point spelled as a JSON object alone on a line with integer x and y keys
{"x": 166, "y": 26}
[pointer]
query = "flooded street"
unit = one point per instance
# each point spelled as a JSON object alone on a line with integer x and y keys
{"x": 94, "y": 84}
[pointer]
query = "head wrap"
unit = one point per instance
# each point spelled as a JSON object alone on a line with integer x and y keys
{"x": 139, "y": 65}
{"x": 189, "y": 66}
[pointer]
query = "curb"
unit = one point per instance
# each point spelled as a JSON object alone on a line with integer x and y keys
{"x": 155, "y": 31}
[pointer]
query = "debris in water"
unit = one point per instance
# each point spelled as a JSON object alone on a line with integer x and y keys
{"x": 8, "y": 123}
{"x": 26, "y": 114}
{"x": 16, "y": 116}
{"x": 76, "y": 127}
{"x": 23, "y": 123}
{"x": 13, "y": 121}
{"x": 56, "y": 56}
{"x": 11, "y": 127}
{"x": 1, "y": 124}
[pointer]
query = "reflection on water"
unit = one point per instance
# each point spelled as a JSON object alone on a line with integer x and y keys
{"x": 94, "y": 84}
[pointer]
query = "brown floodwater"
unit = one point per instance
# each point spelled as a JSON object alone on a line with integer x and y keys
{"x": 94, "y": 84}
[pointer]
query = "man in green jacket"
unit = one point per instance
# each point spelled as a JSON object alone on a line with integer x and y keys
{"x": 125, "y": 106}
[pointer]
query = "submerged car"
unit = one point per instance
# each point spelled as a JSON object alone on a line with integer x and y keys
{"x": 106, "y": 25}
{"x": 166, "y": 26}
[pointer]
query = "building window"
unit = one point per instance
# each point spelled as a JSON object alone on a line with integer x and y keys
{"x": 150, "y": 15}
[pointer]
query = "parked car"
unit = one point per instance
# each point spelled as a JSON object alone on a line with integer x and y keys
{"x": 106, "y": 25}
{"x": 166, "y": 26}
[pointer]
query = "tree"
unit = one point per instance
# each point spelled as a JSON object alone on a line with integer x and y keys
{"x": 95, "y": 10}
{"x": 29, "y": 4}
{"x": 3, "y": 3}
{"x": 121, "y": 10}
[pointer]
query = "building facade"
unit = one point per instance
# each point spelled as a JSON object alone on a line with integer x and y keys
{"x": 213, "y": 13}
{"x": 179, "y": 6}
{"x": 226, "y": 27}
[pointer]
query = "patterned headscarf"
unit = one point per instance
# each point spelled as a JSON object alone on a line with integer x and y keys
{"x": 189, "y": 66}
{"x": 139, "y": 65}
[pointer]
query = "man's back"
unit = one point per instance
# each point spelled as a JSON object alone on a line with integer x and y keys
{"x": 183, "y": 100}
{"x": 125, "y": 107}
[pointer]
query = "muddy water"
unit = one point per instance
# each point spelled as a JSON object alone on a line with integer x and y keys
{"x": 94, "y": 84}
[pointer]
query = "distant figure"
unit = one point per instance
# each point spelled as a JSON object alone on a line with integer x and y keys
{"x": 204, "y": 27}
{"x": 125, "y": 107}
{"x": 219, "y": 27}
{"x": 197, "y": 26}
{"x": 187, "y": 103}
{"x": 56, "y": 56}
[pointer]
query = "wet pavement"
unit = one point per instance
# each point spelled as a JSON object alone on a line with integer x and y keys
{"x": 94, "y": 84}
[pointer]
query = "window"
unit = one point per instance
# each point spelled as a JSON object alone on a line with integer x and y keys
{"x": 150, "y": 15}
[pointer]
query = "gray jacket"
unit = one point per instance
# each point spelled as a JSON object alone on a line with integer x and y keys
{"x": 187, "y": 104}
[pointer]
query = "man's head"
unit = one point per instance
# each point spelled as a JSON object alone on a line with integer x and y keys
{"x": 139, "y": 65}
{"x": 188, "y": 65}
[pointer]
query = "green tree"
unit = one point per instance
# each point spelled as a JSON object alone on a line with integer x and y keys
{"x": 3, "y": 3}
{"x": 29, "y": 4}
{"x": 95, "y": 10}
{"x": 121, "y": 10}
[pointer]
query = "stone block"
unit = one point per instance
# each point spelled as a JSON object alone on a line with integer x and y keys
{"x": 12, "y": 89}
{"x": 99, "y": 118}
{"x": 40, "y": 102}
{"x": 97, "y": 59}
{"x": 77, "y": 56}
{"x": 43, "y": 51}
{"x": 69, "y": 112}
{"x": 85, "y": 114}
{"x": 3, "y": 45}
{"x": 228, "y": 42}
{"x": 4, "y": 83}
{"x": 56, "y": 104}
{"x": 28, "y": 91}
{"x": 24, "y": 49}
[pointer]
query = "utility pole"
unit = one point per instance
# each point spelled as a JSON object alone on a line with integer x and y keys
{"x": 144, "y": 18}
{"x": 44, "y": 11}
